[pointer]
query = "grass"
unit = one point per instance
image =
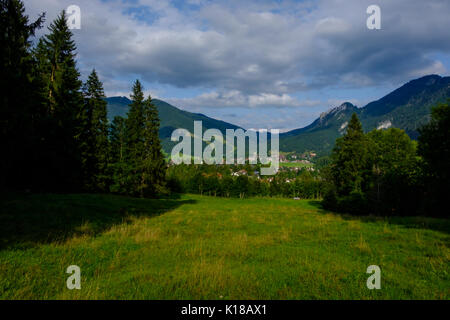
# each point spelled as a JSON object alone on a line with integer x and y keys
{"x": 198, "y": 247}
{"x": 296, "y": 165}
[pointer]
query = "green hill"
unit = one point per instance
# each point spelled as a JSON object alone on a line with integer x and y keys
{"x": 171, "y": 118}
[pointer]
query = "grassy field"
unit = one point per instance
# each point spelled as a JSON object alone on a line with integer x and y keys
{"x": 195, "y": 247}
{"x": 295, "y": 165}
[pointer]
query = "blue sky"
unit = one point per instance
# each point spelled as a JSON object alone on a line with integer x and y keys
{"x": 258, "y": 64}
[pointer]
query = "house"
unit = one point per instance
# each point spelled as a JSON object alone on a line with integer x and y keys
{"x": 239, "y": 173}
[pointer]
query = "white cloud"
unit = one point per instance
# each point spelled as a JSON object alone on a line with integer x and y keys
{"x": 237, "y": 99}
{"x": 257, "y": 54}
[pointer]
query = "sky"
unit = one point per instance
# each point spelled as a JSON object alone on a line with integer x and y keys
{"x": 256, "y": 63}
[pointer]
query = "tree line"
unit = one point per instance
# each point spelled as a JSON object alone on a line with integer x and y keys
{"x": 55, "y": 132}
{"x": 242, "y": 181}
{"x": 385, "y": 172}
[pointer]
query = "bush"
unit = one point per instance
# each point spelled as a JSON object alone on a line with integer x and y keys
{"x": 330, "y": 201}
{"x": 355, "y": 203}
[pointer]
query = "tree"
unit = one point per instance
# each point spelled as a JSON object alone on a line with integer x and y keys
{"x": 350, "y": 159}
{"x": 94, "y": 142}
{"x": 140, "y": 165}
{"x": 393, "y": 181}
{"x": 134, "y": 136}
{"x": 117, "y": 139}
{"x": 154, "y": 164}
{"x": 19, "y": 115}
{"x": 64, "y": 104}
{"x": 118, "y": 168}
{"x": 135, "y": 124}
{"x": 434, "y": 148}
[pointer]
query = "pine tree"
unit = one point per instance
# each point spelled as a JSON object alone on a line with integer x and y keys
{"x": 135, "y": 125}
{"x": 94, "y": 144}
{"x": 139, "y": 168}
{"x": 117, "y": 138}
{"x": 118, "y": 168}
{"x": 134, "y": 137}
{"x": 350, "y": 159}
{"x": 154, "y": 164}
{"x": 64, "y": 104}
{"x": 18, "y": 113}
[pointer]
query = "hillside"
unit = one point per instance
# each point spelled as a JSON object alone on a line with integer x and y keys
{"x": 171, "y": 118}
{"x": 407, "y": 108}
{"x": 320, "y": 135}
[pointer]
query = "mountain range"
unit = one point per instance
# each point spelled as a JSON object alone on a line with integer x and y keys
{"x": 407, "y": 108}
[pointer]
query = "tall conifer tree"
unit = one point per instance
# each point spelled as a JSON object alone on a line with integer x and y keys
{"x": 145, "y": 165}
{"x": 154, "y": 164}
{"x": 118, "y": 167}
{"x": 350, "y": 159}
{"x": 61, "y": 89}
{"x": 94, "y": 145}
{"x": 18, "y": 112}
{"x": 135, "y": 123}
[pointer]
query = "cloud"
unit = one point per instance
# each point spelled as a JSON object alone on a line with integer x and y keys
{"x": 236, "y": 99}
{"x": 253, "y": 53}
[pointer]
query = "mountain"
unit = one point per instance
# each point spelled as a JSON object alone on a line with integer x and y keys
{"x": 320, "y": 135}
{"x": 407, "y": 108}
{"x": 171, "y": 118}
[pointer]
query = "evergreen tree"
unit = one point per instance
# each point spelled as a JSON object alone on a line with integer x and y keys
{"x": 135, "y": 134}
{"x": 154, "y": 164}
{"x": 19, "y": 115}
{"x": 143, "y": 169}
{"x": 94, "y": 144}
{"x": 135, "y": 124}
{"x": 350, "y": 159}
{"x": 434, "y": 148}
{"x": 118, "y": 167}
{"x": 64, "y": 104}
{"x": 117, "y": 139}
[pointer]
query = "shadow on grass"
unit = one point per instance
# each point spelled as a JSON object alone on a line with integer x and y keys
{"x": 412, "y": 222}
{"x": 28, "y": 220}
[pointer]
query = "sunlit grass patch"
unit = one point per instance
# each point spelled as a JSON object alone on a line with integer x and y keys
{"x": 198, "y": 247}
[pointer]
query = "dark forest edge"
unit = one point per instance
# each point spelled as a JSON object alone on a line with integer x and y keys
{"x": 57, "y": 139}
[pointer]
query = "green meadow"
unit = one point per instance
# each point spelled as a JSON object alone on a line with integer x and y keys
{"x": 196, "y": 247}
{"x": 295, "y": 165}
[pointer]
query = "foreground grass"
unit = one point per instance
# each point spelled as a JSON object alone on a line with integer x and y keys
{"x": 211, "y": 248}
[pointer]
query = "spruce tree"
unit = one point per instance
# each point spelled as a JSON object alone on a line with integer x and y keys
{"x": 117, "y": 139}
{"x": 135, "y": 125}
{"x": 118, "y": 167}
{"x": 61, "y": 89}
{"x": 154, "y": 164}
{"x": 94, "y": 144}
{"x": 143, "y": 168}
{"x": 350, "y": 157}
{"x": 19, "y": 113}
